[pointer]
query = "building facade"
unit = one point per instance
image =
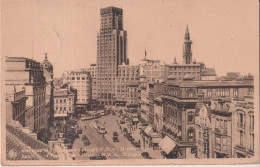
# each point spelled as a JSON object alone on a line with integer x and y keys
{"x": 80, "y": 80}
{"x": 92, "y": 69}
{"x": 133, "y": 95}
{"x": 28, "y": 73}
{"x": 243, "y": 120}
{"x": 179, "y": 104}
{"x": 64, "y": 102}
{"x": 111, "y": 52}
{"x": 15, "y": 102}
{"x": 126, "y": 74}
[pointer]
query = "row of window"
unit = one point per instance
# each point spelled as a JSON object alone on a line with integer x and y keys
{"x": 63, "y": 109}
{"x": 62, "y": 100}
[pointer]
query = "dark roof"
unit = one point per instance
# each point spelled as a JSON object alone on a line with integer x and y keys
{"x": 209, "y": 72}
{"x": 21, "y": 146}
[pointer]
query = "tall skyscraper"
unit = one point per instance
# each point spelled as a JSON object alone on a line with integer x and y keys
{"x": 111, "y": 52}
{"x": 187, "y": 54}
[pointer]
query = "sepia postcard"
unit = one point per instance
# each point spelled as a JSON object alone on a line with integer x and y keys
{"x": 129, "y": 82}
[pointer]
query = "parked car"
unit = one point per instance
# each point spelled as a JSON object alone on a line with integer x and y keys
{"x": 146, "y": 155}
{"x": 130, "y": 138}
{"x": 98, "y": 157}
{"x": 115, "y": 134}
{"x": 86, "y": 142}
{"x": 84, "y": 137}
{"x": 137, "y": 144}
{"x": 79, "y": 131}
{"x": 122, "y": 121}
{"x": 115, "y": 139}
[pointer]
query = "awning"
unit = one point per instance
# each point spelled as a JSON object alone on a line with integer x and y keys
{"x": 167, "y": 144}
{"x": 156, "y": 140}
{"x": 148, "y": 130}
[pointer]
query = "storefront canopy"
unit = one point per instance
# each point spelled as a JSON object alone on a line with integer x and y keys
{"x": 167, "y": 144}
{"x": 156, "y": 140}
{"x": 135, "y": 119}
{"x": 148, "y": 130}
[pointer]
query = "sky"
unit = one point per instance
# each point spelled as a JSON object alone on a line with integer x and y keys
{"x": 225, "y": 33}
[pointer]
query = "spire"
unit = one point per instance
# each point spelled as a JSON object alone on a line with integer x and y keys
{"x": 187, "y": 53}
{"x": 187, "y": 34}
{"x": 46, "y": 56}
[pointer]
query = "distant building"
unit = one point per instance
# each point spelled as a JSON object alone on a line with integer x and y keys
{"x": 126, "y": 74}
{"x": 133, "y": 95}
{"x": 153, "y": 70}
{"x": 111, "y": 52}
{"x": 189, "y": 67}
{"x": 209, "y": 74}
{"x": 28, "y": 73}
{"x": 64, "y": 102}
{"x": 80, "y": 80}
{"x": 92, "y": 69}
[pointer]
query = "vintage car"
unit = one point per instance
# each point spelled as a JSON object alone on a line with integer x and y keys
{"x": 98, "y": 157}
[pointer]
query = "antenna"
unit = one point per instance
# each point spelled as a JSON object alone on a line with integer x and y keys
{"x": 32, "y": 48}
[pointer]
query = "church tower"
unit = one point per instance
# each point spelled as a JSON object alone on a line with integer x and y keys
{"x": 187, "y": 54}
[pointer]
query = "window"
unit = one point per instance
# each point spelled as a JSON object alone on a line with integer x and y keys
{"x": 57, "y": 101}
{"x": 60, "y": 100}
{"x": 221, "y": 124}
{"x": 190, "y": 117}
{"x": 191, "y": 135}
{"x": 209, "y": 92}
{"x": 217, "y": 123}
{"x": 251, "y": 91}
{"x": 224, "y": 144}
{"x": 190, "y": 94}
{"x": 235, "y": 92}
{"x": 69, "y": 99}
{"x": 64, "y": 100}
{"x": 252, "y": 141}
{"x": 251, "y": 121}
{"x": 225, "y": 124}
{"x": 217, "y": 142}
{"x": 73, "y": 78}
{"x": 241, "y": 120}
{"x": 78, "y": 78}
{"x": 64, "y": 108}
{"x": 60, "y": 108}
{"x": 70, "y": 109}
{"x": 241, "y": 137}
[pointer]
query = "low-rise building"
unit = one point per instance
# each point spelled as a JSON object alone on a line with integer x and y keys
{"x": 64, "y": 102}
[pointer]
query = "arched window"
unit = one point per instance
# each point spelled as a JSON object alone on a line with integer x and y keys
{"x": 190, "y": 117}
{"x": 190, "y": 95}
{"x": 191, "y": 134}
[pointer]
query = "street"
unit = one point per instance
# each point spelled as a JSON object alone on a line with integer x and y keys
{"x": 104, "y": 145}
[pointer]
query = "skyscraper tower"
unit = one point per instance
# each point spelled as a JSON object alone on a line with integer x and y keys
{"x": 187, "y": 53}
{"x": 111, "y": 52}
